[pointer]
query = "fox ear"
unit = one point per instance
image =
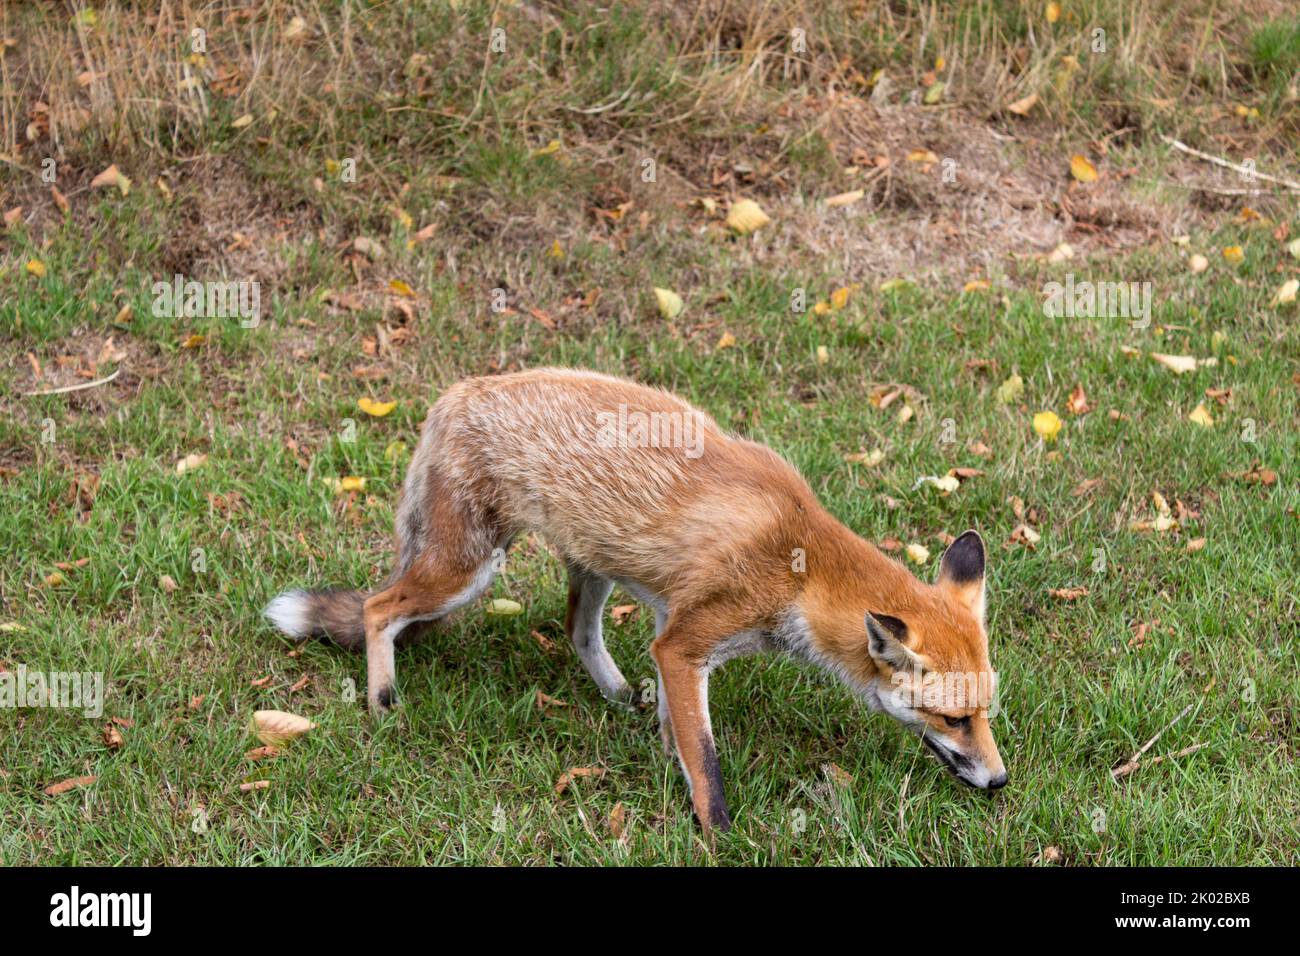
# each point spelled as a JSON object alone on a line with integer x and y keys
{"x": 962, "y": 571}
{"x": 887, "y": 642}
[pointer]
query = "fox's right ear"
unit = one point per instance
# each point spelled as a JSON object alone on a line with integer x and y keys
{"x": 887, "y": 641}
{"x": 961, "y": 571}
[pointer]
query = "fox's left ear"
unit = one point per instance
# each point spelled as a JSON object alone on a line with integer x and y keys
{"x": 962, "y": 572}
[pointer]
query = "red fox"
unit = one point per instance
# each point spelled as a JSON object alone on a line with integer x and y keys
{"x": 718, "y": 535}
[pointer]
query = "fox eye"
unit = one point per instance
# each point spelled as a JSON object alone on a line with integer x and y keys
{"x": 957, "y": 721}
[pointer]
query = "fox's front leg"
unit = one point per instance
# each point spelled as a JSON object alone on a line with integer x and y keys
{"x": 684, "y": 688}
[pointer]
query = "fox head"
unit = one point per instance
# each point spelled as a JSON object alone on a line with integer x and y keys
{"x": 929, "y": 653}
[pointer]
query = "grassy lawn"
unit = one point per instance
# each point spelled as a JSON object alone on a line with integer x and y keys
{"x": 166, "y": 573}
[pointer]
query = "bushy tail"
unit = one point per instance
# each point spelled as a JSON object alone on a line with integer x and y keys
{"x": 332, "y": 613}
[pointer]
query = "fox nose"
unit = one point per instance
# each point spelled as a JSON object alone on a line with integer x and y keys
{"x": 998, "y": 782}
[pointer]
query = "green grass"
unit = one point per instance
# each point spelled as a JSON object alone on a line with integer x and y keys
{"x": 469, "y": 739}
{"x": 465, "y": 771}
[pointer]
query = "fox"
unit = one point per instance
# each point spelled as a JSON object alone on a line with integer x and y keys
{"x": 719, "y": 536}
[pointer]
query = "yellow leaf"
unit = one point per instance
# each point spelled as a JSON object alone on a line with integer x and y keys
{"x": 1201, "y": 416}
{"x": 1081, "y": 169}
{"x": 822, "y": 308}
{"x": 845, "y": 199}
{"x": 823, "y": 355}
{"x": 193, "y": 341}
{"x": 1286, "y": 293}
{"x": 840, "y": 297}
{"x": 1048, "y": 425}
{"x": 922, "y": 156}
{"x": 395, "y": 451}
{"x": 190, "y": 462}
{"x": 1293, "y": 247}
{"x": 1011, "y": 389}
{"x": 669, "y": 302}
{"x": 1198, "y": 263}
{"x": 1021, "y": 107}
{"x": 975, "y": 285}
{"x": 401, "y": 288}
{"x": 54, "y": 579}
{"x": 556, "y": 251}
{"x": 36, "y": 268}
{"x": 934, "y": 94}
{"x": 1053, "y": 12}
{"x": 552, "y": 147}
{"x": 504, "y": 607}
{"x": 891, "y": 285}
{"x": 1179, "y": 364}
{"x": 868, "y": 458}
{"x": 1233, "y": 254}
{"x": 918, "y": 553}
{"x": 245, "y": 120}
{"x": 373, "y": 408}
{"x": 112, "y": 177}
{"x": 727, "y": 341}
{"x": 277, "y": 728}
{"x": 746, "y": 215}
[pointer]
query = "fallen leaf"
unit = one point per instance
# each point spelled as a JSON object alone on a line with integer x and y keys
{"x": 1053, "y": 12}
{"x": 277, "y": 728}
{"x": 168, "y": 583}
{"x": 263, "y": 753}
{"x": 190, "y": 462}
{"x": 726, "y": 341}
{"x": 1047, "y": 425}
{"x": 1201, "y": 416}
{"x": 1078, "y": 402}
{"x": 112, "y": 737}
{"x": 112, "y": 177}
{"x": 1234, "y": 254}
{"x": 401, "y": 288}
{"x": 373, "y": 408}
{"x": 845, "y": 199}
{"x": 1085, "y": 487}
{"x": 623, "y": 613}
{"x": 1198, "y": 263}
{"x": 504, "y": 607}
{"x": 1196, "y": 544}
{"x": 1021, "y": 107}
{"x": 837, "y": 775}
{"x": 573, "y": 773}
{"x": 36, "y": 267}
{"x": 254, "y": 785}
{"x": 917, "y": 553}
{"x": 546, "y": 700}
{"x": 1081, "y": 169}
{"x": 1069, "y": 594}
{"x": 63, "y": 786}
{"x": 1178, "y": 364}
{"x": 1011, "y": 389}
{"x": 1023, "y": 534}
{"x": 618, "y": 820}
{"x": 745, "y": 216}
{"x": 1286, "y": 293}
{"x": 669, "y": 302}
{"x": 868, "y": 458}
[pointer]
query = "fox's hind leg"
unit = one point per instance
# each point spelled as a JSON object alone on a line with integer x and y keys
{"x": 587, "y": 595}
{"x": 428, "y": 590}
{"x": 447, "y": 557}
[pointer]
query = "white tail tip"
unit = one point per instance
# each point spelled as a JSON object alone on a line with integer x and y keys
{"x": 289, "y": 612}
